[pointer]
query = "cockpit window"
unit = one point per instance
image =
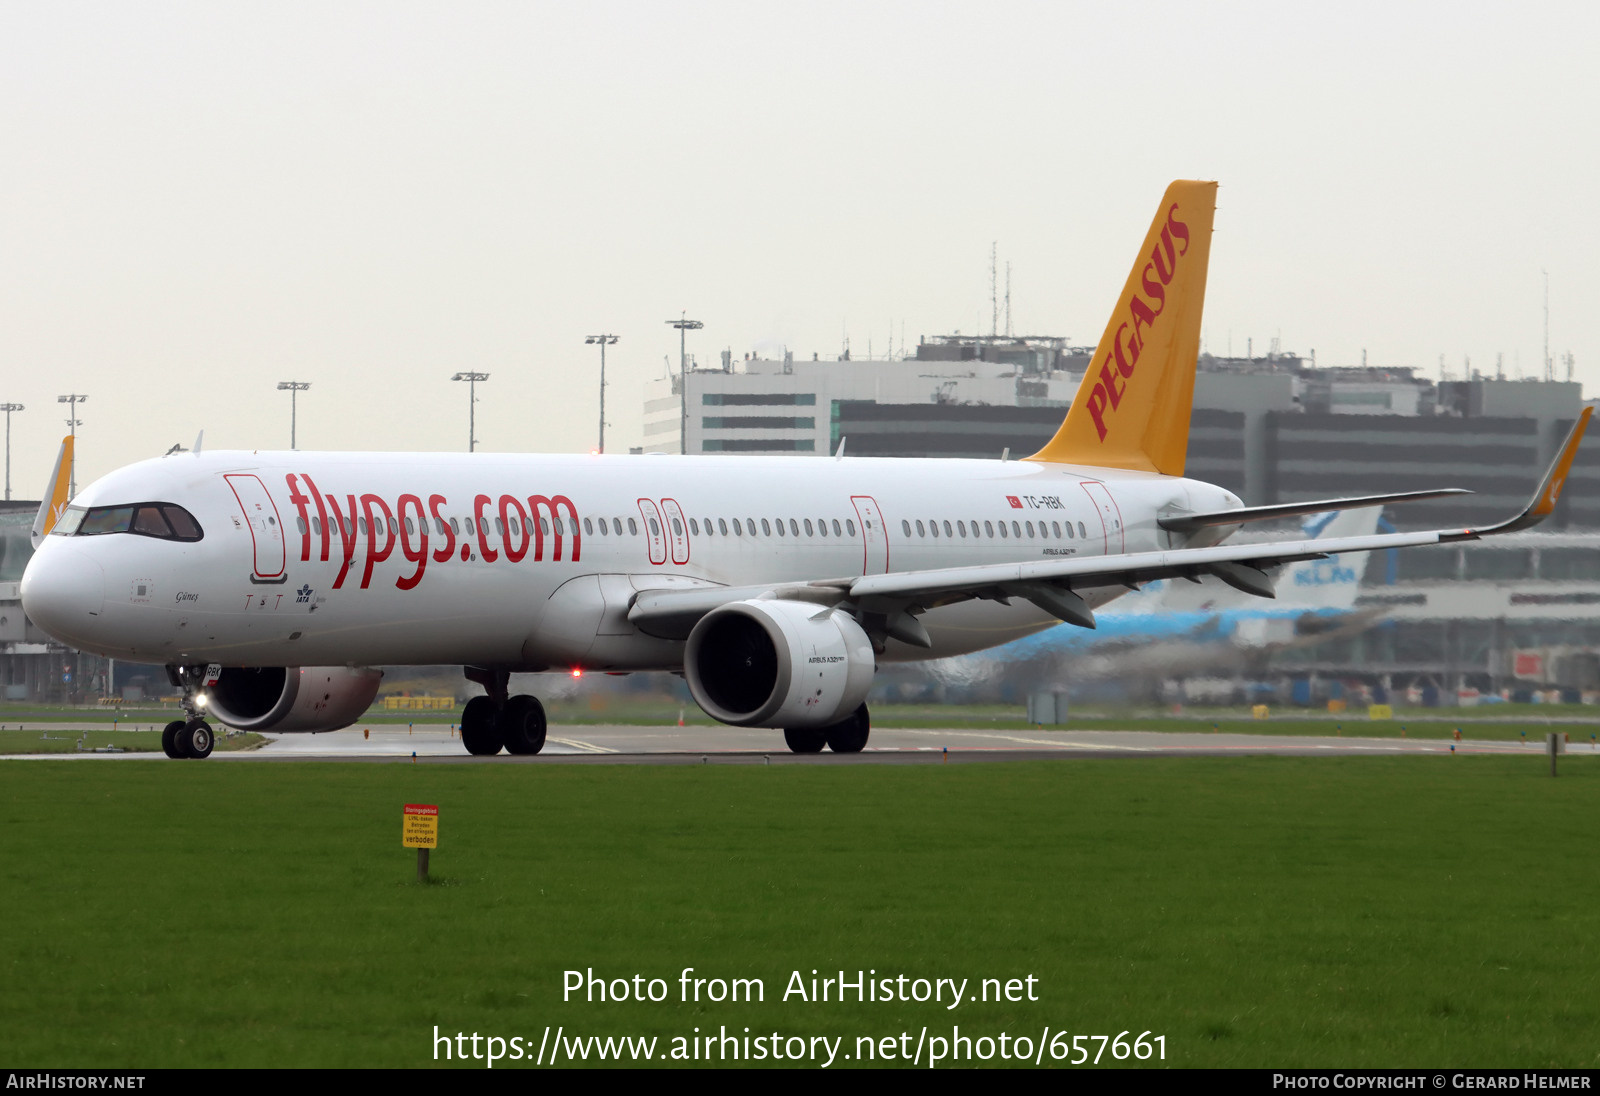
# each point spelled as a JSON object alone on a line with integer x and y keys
{"x": 148, "y": 521}
{"x": 162, "y": 520}
{"x": 106, "y": 519}
{"x": 184, "y": 527}
{"x": 68, "y": 525}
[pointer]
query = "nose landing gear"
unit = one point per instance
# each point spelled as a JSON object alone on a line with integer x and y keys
{"x": 490, "y": 723}
{"x": 191, "y": 737}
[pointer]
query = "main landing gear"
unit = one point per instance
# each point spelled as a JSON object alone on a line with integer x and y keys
{"x": 849, "y": 735}
{"x": 190, "y": 737}
{"x": 490, "y": 723}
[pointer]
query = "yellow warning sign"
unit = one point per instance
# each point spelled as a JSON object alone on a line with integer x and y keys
{"x": 419, "y": 827}
{"x": 1380, "y": 711}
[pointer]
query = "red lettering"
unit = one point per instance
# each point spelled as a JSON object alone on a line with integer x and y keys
{"x": 1097, "y": 409}
{"x": 507, "y": 503}
{"x": 347, "y": 534}
{"x": 554, "y": 505}
{"x": 449, "y": 534}
{"x": 373, "y": 555}
{"x": 1142, "y": 317}
{"x": 1154, "y": 289}
{"x": 418, "y": 555}
{"x": 1164, "y": 267}
{"x": 1127, "y": 357}
{"x": 322, "y": 514}
{"x": 1109, "y": 379}
{"x": 1178, "y": 229}
{"x": 488, "y": 553}
{"x": 300, "y": 501}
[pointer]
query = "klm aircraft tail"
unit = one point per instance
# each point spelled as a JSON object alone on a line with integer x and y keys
{"x": 1132, "y": 410}
{"x": 1330, "y": 585}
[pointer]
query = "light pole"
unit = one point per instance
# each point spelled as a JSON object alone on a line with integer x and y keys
{"x": 472, "y": 380}
{"x": 684, "y": 325}
{"x": 603, "y": 341}
{"x": 294, "y": 388}
{"x": 8, "y": 408}
{"x": 72, "y": 400}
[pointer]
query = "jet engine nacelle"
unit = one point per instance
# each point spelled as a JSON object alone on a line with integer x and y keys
{"x": 773, "y": 663}
{"x": 293, "y": 698}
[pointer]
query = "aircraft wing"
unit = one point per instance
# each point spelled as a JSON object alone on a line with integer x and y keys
{"x": 1050, "y": 584}
{"x": 1190, "y": 523}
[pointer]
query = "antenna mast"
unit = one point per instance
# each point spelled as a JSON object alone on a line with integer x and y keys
{"x": 1008, "y": 298}
{"x": 994, "y": 294}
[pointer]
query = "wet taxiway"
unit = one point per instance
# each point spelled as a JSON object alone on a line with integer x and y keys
{"x": 603, "y": 743}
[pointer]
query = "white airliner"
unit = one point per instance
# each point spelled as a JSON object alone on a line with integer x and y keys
{"x": 269, "y": 584}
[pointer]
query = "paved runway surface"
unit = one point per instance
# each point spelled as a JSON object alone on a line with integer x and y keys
{"x": 591, "y": 744}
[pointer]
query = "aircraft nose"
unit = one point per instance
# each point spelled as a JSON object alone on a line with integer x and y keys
{"x": 63, "y": 591}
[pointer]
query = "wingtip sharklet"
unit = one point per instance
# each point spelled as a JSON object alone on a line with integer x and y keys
{"x": 1544, "y": 500}
{"x": 56, "y": 493}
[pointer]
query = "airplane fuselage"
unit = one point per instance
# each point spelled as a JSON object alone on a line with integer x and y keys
{"x": 532, "y": 561}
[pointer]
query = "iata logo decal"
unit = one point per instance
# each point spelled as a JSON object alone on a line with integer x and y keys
{"x": 302, "y": 595}
{"x": 510, "y": 527}
{"x": 1120, "y": 359}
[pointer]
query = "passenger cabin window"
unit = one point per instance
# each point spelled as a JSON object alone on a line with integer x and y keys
{"x": 850, "y": 526}
{"x": 722, "y": 526}
{"x": 161, "y": 520}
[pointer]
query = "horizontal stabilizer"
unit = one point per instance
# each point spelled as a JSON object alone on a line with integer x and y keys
{"x": 1189, "y": 523}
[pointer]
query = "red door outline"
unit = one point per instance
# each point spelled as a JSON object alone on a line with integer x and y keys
{"x": 654, "y": 532}
{"x": 678, "y": 529}
{"x": 261, "y": 517}
{"x": 1110, "y": 514}
{"x": 874, "y": 537}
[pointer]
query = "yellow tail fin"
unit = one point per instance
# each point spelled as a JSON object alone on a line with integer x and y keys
{"x": 1132, "y": 410}
{"x": 55, "y": 499}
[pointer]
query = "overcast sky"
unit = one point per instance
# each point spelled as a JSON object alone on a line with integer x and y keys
{"x": 200, "y": 200}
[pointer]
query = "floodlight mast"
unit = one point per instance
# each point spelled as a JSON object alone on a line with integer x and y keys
{"x": 683, "y": 324}
{"x": 8, "y": 408}
{"x": 293, "y": 388}
{"x": 72, "y": 400}
{"x": 472, "y": 380}
{"x": 603, "y": 341}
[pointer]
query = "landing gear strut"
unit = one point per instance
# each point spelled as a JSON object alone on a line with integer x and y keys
{"x": 496, "y": 720}
{"x": 191, "y": 737}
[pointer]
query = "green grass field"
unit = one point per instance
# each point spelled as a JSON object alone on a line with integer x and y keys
{"x": 1255, "y": 911}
